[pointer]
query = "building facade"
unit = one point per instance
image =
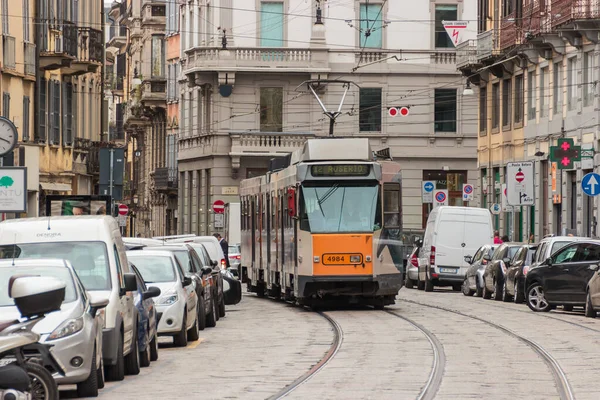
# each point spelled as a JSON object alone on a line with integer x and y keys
{"x": 242, "y": 100}
{"x": 538, "y": 77}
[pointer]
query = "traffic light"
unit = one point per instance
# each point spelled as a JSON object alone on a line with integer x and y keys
{"x": 565, "y": 153}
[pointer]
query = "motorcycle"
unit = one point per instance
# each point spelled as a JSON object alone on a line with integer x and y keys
{"x": 25, "y": 364}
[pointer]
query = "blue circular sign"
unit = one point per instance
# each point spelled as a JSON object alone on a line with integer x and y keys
{"x": 590, "y": 184}
{"x": 468, "y": 189}
{"x": 440, "y": 197}
{"x": 428, "y": 187}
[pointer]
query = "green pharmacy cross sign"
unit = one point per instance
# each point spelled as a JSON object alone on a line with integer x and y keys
{"x": 565, "y": 153}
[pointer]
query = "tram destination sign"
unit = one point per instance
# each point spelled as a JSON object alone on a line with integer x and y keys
{"x": 340, "y": 170}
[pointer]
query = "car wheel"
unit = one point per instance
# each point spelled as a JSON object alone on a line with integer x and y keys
{"x": 519, "y": 296}
{"x": 420, "y": 285}
{"x": 132, "y": 360}
{"x": 506, "y": 297}
{"x": 409, "y": 283}
{"x": 478, "y": 290}
{"x": 100, "y": 373}
{"x": 222, "y": 307}
{"x": 89, "y": 387}
{"x": 498, "y": 289}
{"x": 145, "y": 355}
{"x": 589, "y": 308}
{"x": 211, "y": 319}
{"x": 486, "y": 293}
{"x": 116, "y": 372}
{"x": 154, "y": 348}
{"x": 428, "y": 284}
{"x": 201, "y": 314}
{"x": 193, "y": 333}
{"x": 465, "y": 288}
{"x": 536, "y": 300}
{"x": 180, "y": 339}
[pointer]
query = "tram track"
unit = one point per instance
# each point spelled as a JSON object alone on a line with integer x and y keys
{"x": 563, "y": 387}
{"x": 338, "y": 338}
{"x": 432, "y": 385}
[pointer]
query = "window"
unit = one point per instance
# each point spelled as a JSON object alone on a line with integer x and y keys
{"x": 483, "y": 111}
{"x": 531, "y": 92}
{"x": 484, "y": 12}
{"x": 445, "y": 110}
{"x": 371, "y": 17}
{"x": 566, "y": 255}
{"x": 571, "y": 83}
{"x": 271, "y": 24}
{"x": 444, "y": 12}
{"x": 26, "y": 20}
{"x": 42, "y": 114}
{"x": 506, "y": 103}
{"x": 54, "y": 122}
{"x": 519, "y": 99}
{"x": 75, "y": 108}
{"x": 392, "y": 204}
{"x": 25, "y": 131}
{"x": 496, "y": 105}
{"x": 369, "y": 115}
{"x": 172, "y": 17}
{"x": 175, "y": 83}
{"x": 207, "y": 97}
{"x": 588, "y": 78}
{"x": 6, "y": 105}
{"x": 271, "y": 109}
{"x": 543, "y": 80}
{"x": 170, "y": 87}
{"x": 557, "y": 92}
{"x": 158, "y": 56}
{"x": 5, "y": 14}
{"x": 68, "y": 114}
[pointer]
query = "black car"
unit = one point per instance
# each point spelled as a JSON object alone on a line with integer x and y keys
{"x": 514, "y": 282}
{"x": 473, "y": 283}
{"x": 563, "y": 278}
{"x": 495, "y": 271}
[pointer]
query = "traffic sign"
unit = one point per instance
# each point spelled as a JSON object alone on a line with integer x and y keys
{"x": 495, "y": 209}
{"x": 565, "y": 153}
{"x": 440, "y": 197}
{"x": 467, "y": 192}
{"x": 123, "y": 209}
{"x": 455, "y": 30}
{"x": 520, "y": 181}
{"x": 122, "y": 219}
{"x": 219, "y": 206}
{"x": 395, "y": 111}
{"x": 219, "y": 220}
{"x": 427, "y": 191}
{"x": 591, "y": 184}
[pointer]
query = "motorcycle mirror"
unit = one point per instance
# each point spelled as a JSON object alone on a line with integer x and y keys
{"x": 36, "y": 295}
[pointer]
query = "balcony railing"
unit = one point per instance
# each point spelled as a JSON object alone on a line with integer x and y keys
{"x": 532, "y": 17}
{"x": 30, "y": 59}
{"x": 154, "y": 14}
{"x": 165, "y": 178}
{"x": 62, "y": 40}
{"x": 154, "y": 90}
{"x": 466, "y": 54}
{"x": 266, "y": 143}
{"x": 487, "y": 44}
{"x": 8, "y": 48}
{"x": 565, "y": 11}
{"x": 91, "y": 47}
{"x": 249, "y": 57}
{"x": 510, "y": 32}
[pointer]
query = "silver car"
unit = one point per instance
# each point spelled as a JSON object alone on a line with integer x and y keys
{"x": 235, "y": 257}
{"x": 75, "y": 332}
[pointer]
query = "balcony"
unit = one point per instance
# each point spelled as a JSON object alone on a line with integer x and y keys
{"x": 30, "y": 59}
{"x": 487, "y": 45}
{"x": 532, "y": 17}
{"x": 466, "y": 54}
{"x": 511, "y": 33}
{"x": 117, "y": 36}
{"x": 154, "y": 13}
{"x": 90, "y": 52}
{"x": 154, "y": 92}
{"x": 568, "y": 11}
{"x": 265, "y": 144}
{"x": 8, "y": 53}
{"x": 134, "y": 116}
{"x": 165, "y": 180}
{"x": 58, "y": 45}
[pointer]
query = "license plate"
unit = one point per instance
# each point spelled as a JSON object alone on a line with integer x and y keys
{"x": 449, "y": 270}
{"x": 341, "y": 259}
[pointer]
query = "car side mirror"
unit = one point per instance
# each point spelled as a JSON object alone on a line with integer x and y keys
{"x": 97, "y": 302}
{"x": 506, "y": 260}
{"x": 487, "y": 258}
{"x": 187, "y": 281}
{"x": 152, "y": 291}
{"x": 214, "y": 263}
{"x": 548, "y": 262}
{"x": 206, "y": 271}
{"x": 130, "y": 282}
{"x": 468, "y": 259}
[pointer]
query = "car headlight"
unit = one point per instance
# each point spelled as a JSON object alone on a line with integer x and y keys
{"x": 67, "y": 328}
{"x": 168, "y": 300}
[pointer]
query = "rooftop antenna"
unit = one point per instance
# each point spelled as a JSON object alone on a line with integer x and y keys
{"x": 318, "y": 84}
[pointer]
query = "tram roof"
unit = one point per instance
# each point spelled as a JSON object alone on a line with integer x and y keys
{"x": 335, "y": 150}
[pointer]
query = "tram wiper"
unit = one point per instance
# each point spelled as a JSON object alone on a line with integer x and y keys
{"x": 328, "y": 194}
{"x": 319, "y": 202}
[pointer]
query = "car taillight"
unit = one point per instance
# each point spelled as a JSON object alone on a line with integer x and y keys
{"x": 223, "y": 263}
{"x": 432, "y": 256}
{"x": 414, "y": 261}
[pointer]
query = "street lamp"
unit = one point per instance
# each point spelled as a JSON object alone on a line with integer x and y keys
{"x": 136, "y": 81}
{"x": 468, "y": 91}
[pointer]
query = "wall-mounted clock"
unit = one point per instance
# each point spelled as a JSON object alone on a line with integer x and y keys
{"x": 8, "y": 136}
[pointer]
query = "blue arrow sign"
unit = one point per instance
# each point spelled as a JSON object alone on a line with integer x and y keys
{"x": 428, "y": 186}
{"x": 591, "y": 184}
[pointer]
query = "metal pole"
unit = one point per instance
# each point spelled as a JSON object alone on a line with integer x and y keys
{"x": 331, "y": 126}
{"x": 110, "y": 178}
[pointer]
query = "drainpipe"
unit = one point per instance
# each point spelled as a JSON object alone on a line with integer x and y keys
{"x": 103, "y": 123}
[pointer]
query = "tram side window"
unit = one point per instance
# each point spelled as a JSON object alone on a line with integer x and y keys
{"x": 391, "y": 205}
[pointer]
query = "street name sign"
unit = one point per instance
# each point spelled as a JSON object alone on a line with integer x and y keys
{"x": 590, "y": 184}
{"x": 520, "y": 183}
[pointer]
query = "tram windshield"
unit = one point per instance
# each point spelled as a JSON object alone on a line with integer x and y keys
{"x": 339, "y": 207}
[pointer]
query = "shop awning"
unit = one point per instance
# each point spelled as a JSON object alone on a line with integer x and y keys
{"x": 56, "y": 187}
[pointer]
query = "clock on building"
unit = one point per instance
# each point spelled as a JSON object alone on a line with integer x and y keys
{"x": 8, "y": 136}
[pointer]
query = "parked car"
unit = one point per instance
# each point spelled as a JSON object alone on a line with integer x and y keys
{"x": 177, "y": 306}
{"x": 592, "y": 299}
{"x": 74, "y": 332}
{"x": 147, "y": 334}
{"x": 451, "y": 234}
{"x": 138, "y": 243}
{"x": 495, "y": 271}
{"x": 94, "y": 246}
{"x": 412, "y": 267}
{"x": 203, "y": 281}
{"x": 514, "y": 282}
{"x": 563, "y": 278}
{"x": 235, "y": 256}
{"x": 473, "y": 283}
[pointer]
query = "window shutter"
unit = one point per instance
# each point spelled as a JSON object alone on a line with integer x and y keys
{"x": 25, "y": 131}
{"x": 42, "y": 115}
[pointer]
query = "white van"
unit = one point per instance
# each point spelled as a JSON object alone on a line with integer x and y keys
{"x": 451, "y": 234}
{"x": 94, "y": 247}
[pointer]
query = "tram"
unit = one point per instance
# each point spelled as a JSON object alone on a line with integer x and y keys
{"x": 318, "y": 227}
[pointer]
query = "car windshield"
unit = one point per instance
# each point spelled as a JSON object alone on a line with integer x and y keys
{"x": 234, "y": 249}
{"x": 556, "y": 246}
{"x": 89, "y": 259}
{"x": 512, "y": 251}
{"x": 154, "y": 269}
{"x": 339, "y": 207}
{"x": 61, "y": 273}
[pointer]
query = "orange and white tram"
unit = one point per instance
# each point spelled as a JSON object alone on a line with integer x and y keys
{"x": 319, "y": 227}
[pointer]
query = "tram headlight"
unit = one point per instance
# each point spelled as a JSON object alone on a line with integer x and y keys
{"x": 355, "y": 259}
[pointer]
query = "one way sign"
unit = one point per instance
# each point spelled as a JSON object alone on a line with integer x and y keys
{"x": 590, "y": 184}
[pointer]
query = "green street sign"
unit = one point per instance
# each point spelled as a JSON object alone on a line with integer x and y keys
{"x": 565, "y": 153}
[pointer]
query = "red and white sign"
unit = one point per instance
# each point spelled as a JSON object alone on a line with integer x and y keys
{"x": 467, "y": 192}
{"x": 395, "y": 111}
{"x": 123, "y": 209}
{"x": 219, "y": 207}
{"x": 520, "y": 176}
{"x": 440, "y": 198}
{"x": 456, "y": 30}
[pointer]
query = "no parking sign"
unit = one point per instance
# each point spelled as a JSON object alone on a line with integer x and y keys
{"x": 467, "y": 192}
{"x": 440, "y": 197}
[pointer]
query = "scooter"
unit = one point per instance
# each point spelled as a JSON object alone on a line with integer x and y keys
{"x": 25, "y": 364}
